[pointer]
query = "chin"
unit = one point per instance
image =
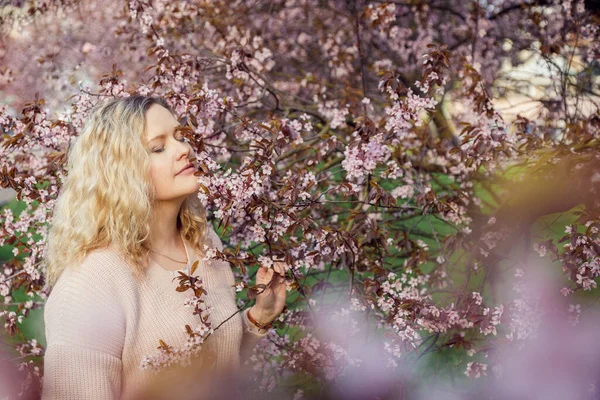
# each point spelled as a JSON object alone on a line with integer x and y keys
{"x": 194, "y": 189}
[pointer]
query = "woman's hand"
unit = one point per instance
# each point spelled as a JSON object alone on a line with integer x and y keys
{"x": 271, "y": 300}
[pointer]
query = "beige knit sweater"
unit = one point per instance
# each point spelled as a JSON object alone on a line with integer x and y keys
{"x": 101, "y": 322}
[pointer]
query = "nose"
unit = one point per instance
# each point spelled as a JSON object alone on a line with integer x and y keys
{"x": 185, "y": 150}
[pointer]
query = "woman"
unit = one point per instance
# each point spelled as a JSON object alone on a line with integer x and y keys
{"x": 127, "y": 219}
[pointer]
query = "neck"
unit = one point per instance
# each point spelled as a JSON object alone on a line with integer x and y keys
{"x": 164, "y": 234}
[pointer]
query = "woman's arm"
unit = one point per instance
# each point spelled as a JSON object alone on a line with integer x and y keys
{"x": 71, "y": 372}
{"x": 252, "y": 335}
{"x": 85, "y": 332}
{"x": 270, "y": 302}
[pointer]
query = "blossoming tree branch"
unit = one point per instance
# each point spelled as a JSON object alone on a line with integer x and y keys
{"x": 406, "y": 160}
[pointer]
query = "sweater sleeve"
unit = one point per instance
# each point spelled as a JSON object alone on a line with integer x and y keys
{"x": 85, "y": 332}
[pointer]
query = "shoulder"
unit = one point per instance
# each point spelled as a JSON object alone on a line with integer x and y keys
{"x": 212, "y": 238}
{"x": 88, "y": 303}
{"x": 102, "y": 276}
{"x": 104, "y": 267}
{"x": 213, "y": 242}
{"x": 222, "y": 269}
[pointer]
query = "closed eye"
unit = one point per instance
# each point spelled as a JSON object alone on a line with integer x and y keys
{"x": 181, "y": 139}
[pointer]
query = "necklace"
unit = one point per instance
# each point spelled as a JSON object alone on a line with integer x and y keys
{"x": 180, "y": 262}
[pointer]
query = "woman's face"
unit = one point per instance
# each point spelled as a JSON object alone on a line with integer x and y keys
{"x": 169, "y": 153}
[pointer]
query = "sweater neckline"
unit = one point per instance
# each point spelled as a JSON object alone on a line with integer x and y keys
{"x": 186, "y": 269}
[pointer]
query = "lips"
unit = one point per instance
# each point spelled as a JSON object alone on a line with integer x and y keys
{"x": 188, "y": 165}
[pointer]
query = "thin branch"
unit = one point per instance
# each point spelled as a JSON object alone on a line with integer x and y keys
{"x": 12, "y": 276}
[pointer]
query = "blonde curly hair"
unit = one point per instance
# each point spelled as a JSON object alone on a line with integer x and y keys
{"x": 107, "y": 196}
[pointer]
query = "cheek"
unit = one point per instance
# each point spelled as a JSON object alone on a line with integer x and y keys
{"x": 154, "y": 174}
{"x": 157, "y": 174}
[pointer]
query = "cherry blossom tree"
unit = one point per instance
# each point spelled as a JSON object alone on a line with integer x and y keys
{"x": 405, "y": 159}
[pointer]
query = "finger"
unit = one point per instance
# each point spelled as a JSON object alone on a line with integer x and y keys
{"x": 281, "y": 286}
{"x": 280, "y": 279}
{"x": 261, "y": 272}
{"x": 281, "y": 292}
{"x": 263, "y": 275}
{"x": 281, "y": 268}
